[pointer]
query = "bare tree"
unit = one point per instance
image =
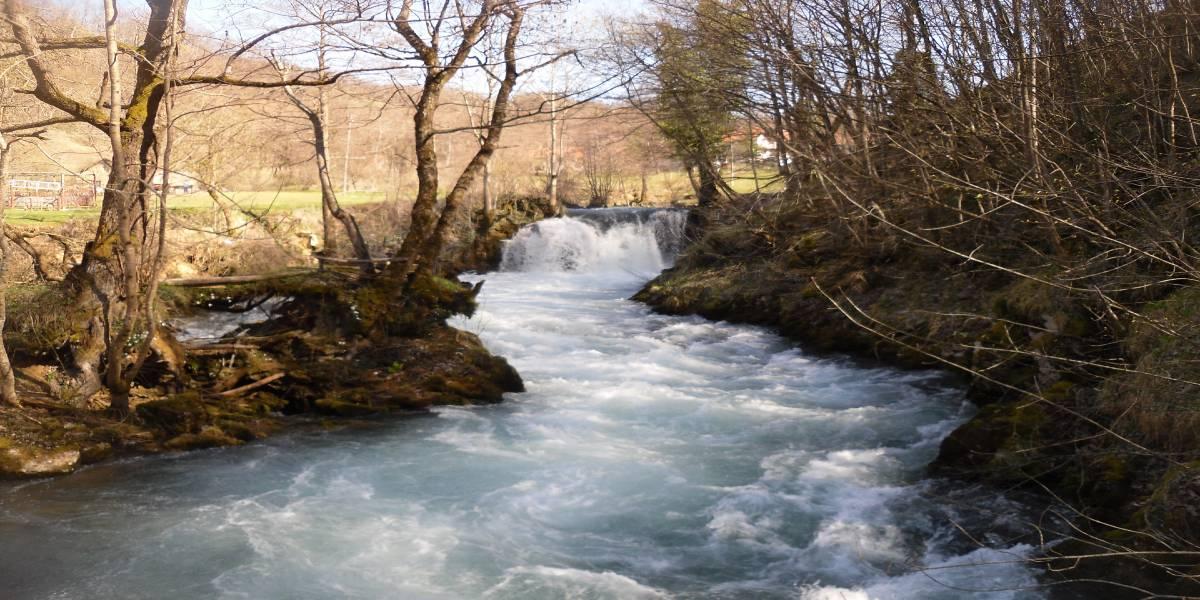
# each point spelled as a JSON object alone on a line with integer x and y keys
{"x": 430, "y": 229}
{"x": 598, "y": 171}
{"x": 112, "y": 282}
{"x": 318, "y": 118}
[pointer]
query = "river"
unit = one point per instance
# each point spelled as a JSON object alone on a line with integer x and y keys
{"x": 652, "y": 457}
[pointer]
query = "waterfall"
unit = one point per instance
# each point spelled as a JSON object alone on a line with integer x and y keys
{"x": 640, "y": 240}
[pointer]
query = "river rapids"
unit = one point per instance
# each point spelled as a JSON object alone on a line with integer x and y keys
{"x": 652, "y": 457}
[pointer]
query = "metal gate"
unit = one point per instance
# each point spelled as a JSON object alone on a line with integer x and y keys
{"x": 51, "y": 191}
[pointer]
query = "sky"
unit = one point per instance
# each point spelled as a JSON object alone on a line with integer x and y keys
{"x": 237, "y": 20}
{"x": 214, "y": 14}
{"x": 580, "y": 20}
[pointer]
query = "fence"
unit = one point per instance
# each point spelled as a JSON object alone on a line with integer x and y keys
{"x": 51, "y": 191}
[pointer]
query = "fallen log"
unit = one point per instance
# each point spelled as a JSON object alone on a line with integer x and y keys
{"x": 357, "y": 261}
{"x": 252, "y": 386}
{"x": 230, "y": 279}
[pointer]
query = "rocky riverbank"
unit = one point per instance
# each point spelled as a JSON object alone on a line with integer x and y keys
{"x": 1050, "y": 420}
{"x": 327, "y": 385}
{"x": 321, "y": 359}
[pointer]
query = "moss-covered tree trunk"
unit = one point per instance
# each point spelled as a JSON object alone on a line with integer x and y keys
{"x": 110, "y": 284}
{"x": 424, "y": 211}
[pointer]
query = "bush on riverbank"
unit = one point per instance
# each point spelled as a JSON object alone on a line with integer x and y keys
{"x": 1006, "y": 189}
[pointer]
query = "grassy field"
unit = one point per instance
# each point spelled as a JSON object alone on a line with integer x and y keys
{"x": 662, "y": 187}
{"x": 746, "y": 185}
{"x": 674, "y": 186}
{"x": 255, "y": 201}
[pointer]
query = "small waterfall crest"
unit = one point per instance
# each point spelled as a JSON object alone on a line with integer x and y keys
{"x": 641, "y": 240}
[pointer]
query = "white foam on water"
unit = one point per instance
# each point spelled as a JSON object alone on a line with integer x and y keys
{"x": 635, "y": 244}
{"x": 570, "y": 583}
{"x": 985, "y": 574}
{"x": 652, "y": 457}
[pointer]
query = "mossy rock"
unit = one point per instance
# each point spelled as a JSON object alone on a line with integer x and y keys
{"x": 257, "y": 404}
{"x": 993, "y": 438}
{"x": 177, "y": 415}
{"x": 1179, "y": 311}
{"x": 1036, "y": 303}
{"x": 180, "y": 300}
{"x": 466, "y": 388}
{"x": 1060, "y": 392}
{"x": 27, "y": 461}
{"x": 209, "y": 437}
{"x": 444, "y": 294}
{"x": 245, "y": 431}
{"x": 114, "y": 433}
{"x": 1174, "y": 503}
{"x": 94, "y": 453}
{"x": 260, "y": 362}
{"x": 1157, "y": 400}
{"x": 810, "y": 248}
{"x": 344, "y": 408}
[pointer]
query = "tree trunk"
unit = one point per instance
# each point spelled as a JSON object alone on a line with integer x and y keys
{"x": 706, "y": 193}
{"x": 321, "y": 145}
{"x": 489, "y": 202}
{"x": 110, "y": 283}
{"x": 330, "y": 208}
{"x": 424, "y": 210}
{"x": 753, "y": 158}
{"x": 430, "y": 228}
{"x": 221, "y": 205}
{"x": 8, "y": 390}
{"x": 130, "y": 194}
{"x": 430, "y": 254}
{"x": 552, "y": 188}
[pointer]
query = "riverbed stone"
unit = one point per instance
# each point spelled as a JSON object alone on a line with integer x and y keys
{"x": 28, "y": 461}
{"x": 95, "y": 453}
{"x": 209, "y": 437}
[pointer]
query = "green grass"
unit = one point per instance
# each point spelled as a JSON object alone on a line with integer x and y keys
{"x": 15, "y": 216}
{"x": 662, "y": 186}
{"x": 255, "y": 201}
{"x": 668, "y": 185}
{"x": 745, "y": 185}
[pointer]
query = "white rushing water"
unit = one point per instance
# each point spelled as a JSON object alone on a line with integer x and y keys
{"x": 652, "y": 457}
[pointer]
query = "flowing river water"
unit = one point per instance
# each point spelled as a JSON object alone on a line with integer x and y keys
{"x": 652, "y": 457}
